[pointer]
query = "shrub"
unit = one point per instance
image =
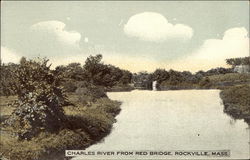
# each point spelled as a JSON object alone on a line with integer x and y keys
{"x": 205, "y": 83}
{"x": 70, "y": 86}
{"x": 88, "y": 92}
{"x": 39, "y": 100}
{"x": 7, "y": 79}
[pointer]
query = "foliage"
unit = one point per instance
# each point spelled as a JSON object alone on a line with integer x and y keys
{"x": 215, "y": 71}
{"x": 70, "y": 85}
{"x": 88, "y": 93}
{"x": 72, "y": 71}
{"x": 236, "y": 102}
{"x": 39, "y": 99}
{"x": 84, "y": 127}
{"x": 232, "y": 77}
{"x": 7, "y": 78}
{"x": 160, "y": 75}
{"x": 143, "y": 80}
{"x": 238, "y": 61}
{"x": 101, "y": 74}
{"x": 205, "y": 83}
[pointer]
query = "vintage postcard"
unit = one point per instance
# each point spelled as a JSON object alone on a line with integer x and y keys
{"x": 109, "y": 80}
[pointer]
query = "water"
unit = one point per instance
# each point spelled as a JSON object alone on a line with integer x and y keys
{"x": 175, "y": 120}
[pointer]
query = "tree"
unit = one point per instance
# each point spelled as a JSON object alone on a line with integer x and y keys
{"x": 238, "y": 61}
{"x": 7, "y": 78}
{"x": 39, "y": 105}
{"x": 92, "y": 67}
{"x": 101, "y": 74}
{"x": 160, "y": 75}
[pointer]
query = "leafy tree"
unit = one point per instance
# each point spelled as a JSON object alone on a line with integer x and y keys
{"x": 142, "y": 79}
{"x": 160, "y": 75}
{"x": 92, "y": 67}
{"x": 126, "y": 77}
{"x": 101, "y": 74}
{"x": 72, "y": 71}
{"x": 70, "y": 75}
{"x": 39, "y": 105}
{"x": 7, "y": 79}
{"x": 238, "y": 61}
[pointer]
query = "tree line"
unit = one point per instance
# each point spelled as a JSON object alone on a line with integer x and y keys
{"x": 41, "y": 91}
{"x": 176, "y": 78}
{"x": 93, "y": 72}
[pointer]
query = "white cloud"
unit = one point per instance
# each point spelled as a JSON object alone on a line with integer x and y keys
{"x": 8, "y": 55}
{"x": 57, "y": 29}
{"x": 151, "y": 26}
{"x": 213, "y": 52}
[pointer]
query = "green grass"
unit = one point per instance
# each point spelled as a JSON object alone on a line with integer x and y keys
{"x": 233, "y": 77}
{"x": 225, "y": 81}
{"x": 86, "y": 125}
{"x": 236, "y": 100}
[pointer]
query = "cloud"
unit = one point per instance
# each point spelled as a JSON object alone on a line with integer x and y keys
{"x": 151, "y": 26}
{"x": 8, "y": 55}
{"x": 49, "y": 39}
{"x": 57, "y": 29}
{"x": 213, "y": 52}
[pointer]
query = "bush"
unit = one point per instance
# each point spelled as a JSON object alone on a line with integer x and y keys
{"x": 205, "y": 83}
{"x": 70, "y": 86}
{"x": 7, "y": 78}
{"x": 88, "y": 93}
{"x": 40, "y": 100}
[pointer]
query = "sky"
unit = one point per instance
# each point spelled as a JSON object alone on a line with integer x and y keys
{"x": 133, "y": 35}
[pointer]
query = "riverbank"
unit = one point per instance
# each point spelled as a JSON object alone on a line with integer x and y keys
{"x": 235, "y": 91}
{"x": 120, "y": 88}
{"x": 86, "y": 125}
{"x": 174, "y": 117}
{"x": 236, "y": 100}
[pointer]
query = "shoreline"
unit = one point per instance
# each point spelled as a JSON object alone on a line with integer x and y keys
{"x": 82, "y": 136}
{"x": 85, "y": 127}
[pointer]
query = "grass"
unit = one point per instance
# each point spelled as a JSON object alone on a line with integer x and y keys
{"x": 86, "y": 125}
{"x": 232, "y": 77}
{"x": 236, "y": 100}
{"x": 225, "y": 81}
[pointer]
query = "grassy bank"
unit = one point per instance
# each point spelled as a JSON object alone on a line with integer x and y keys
{"x": 236, "y": 100}
{"x": 235, "y": 91}
{"x": 86, "y": 125}
{"x": 120, "y": 88}
{"x": 224, "y": 81}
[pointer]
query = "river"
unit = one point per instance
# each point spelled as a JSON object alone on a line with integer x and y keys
{"x": 174, "y": 120}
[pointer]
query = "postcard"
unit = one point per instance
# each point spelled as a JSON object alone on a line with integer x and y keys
{"x": 109, "y": 80}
